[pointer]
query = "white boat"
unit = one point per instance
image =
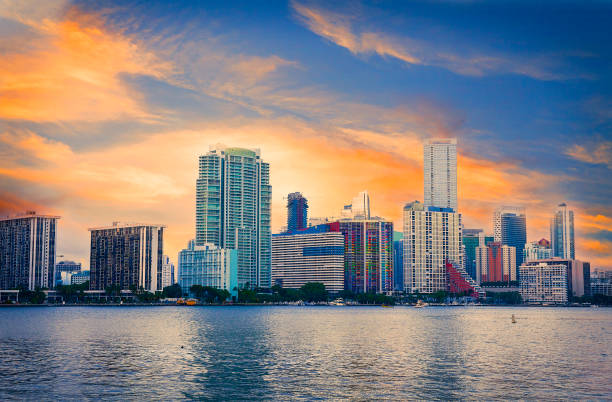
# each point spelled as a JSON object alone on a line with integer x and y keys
{"x": 421, "y": 304}
{"x": 338, "y": 302}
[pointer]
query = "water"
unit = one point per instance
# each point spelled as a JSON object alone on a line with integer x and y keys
{"x": 304, "y": 353}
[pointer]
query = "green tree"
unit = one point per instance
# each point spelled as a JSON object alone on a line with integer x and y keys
{"x": 173, "y": 291}
{"x": 314, "y": 292}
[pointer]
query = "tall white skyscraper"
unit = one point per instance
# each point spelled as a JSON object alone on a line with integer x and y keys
{"x": 359, "y": 208}
{"x": 233, "y": 196}
{"x": 562, "y": 232}
{"x": 440, "y": 173}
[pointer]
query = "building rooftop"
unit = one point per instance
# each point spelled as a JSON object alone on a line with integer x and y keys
{"x": 119, "y": 225}
{"x": 28, "y": 214}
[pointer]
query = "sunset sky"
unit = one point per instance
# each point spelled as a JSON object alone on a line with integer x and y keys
{"x": 105, "y": 108}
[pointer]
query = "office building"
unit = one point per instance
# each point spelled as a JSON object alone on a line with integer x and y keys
{"x": 562, "y": 233}
{"x": 208, "y": 265}
{"x": 78, "y": 278}
{"x": 297, "y": 212}
{"x": 398, "y": 265}
{"x": 440, "y": 173}
{"x": 368, "y": 255}
{"x": 537, "y": 250}
{"x": 359, "y": 208}
{"x": 233, "y": 196}
{"x": 65, "y": 266}
{"x": 472, "y": 238}
{"x": 496, "y": 263}
{"x": 27, "y": 251}
{"x": 542, "y": 282}
{"x": 601, "y": 283}
{"x": 168, "y": 277}
{"x": 315, "y": 254}
{"x": 127, "y": 255}
{"x": 432, "y": 238}
{"x": 510, "y": 229}
{"x": 578, "y": 275}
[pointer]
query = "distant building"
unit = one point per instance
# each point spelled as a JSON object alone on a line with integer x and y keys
{"x": 432, "y": 238}
{"x": 543, "y": 282}
{"x": 578, "y": 275}
{"x": 168, "y": 278}
{"x": 398, "y": 265}
{"x": 601, "y": 283}
{"x": 65, "y": 266}
{"x": 368, "y": 255}
{"x": 127, "y": 255}
{"x": 297, "y": 212}
{"x": 233, "y": 198}
{"x": 359, "y": 208}
{"x": 510, "y": 227}
{"x": 496, "y": 262}
{"x": 27, "y": 251}
{"x": 78, "y": 278}
{"x": 440, "y": 173}
{"x": 537, "y": 250}
{"x": 208, "y": 265}
{"x": 562, "y": 233}
{"x": 315, "y": 254}
{"x": 471, "y": 239}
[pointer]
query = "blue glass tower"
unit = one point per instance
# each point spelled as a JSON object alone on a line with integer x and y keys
{"x": 297, "y": 212}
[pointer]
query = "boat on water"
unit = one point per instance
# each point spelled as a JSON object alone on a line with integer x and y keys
{"x": 421, "y": 304}
{"x": 180, "y": 301}
{"x": 513, "y": 319}
{"x": 191, "y": 302}
{"x": 386, "y": 306}
{"x": 338, "y": 302}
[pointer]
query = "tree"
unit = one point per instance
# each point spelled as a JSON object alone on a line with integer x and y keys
{"x": 314, "y": 292}
{"x": 173, "y": 291}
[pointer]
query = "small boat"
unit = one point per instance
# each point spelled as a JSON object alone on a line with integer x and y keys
{"x": 191, "y": 302}
{"x": 513, "y": 319}
{"x": 338, "y": 302}
{"x": 387, "y": 306}
{"x": 180, "y": 301}
{"x": 421, "y": 304}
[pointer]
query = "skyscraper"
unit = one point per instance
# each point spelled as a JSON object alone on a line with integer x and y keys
{"x": 432, "y": 238}
{"x": 440, "y": 173}
{"x": 297, "y": 212}
{"x": 562, "y": 232}
{"x": 472, "y": 238}
{"x": 233, "y": 196}
{"x": 27, "y": 251}
{"x": 359, "y": 208}
{"x": 510, "y": 229}
{"x": 126, "y": 254}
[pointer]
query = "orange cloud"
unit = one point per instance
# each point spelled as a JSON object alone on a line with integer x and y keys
{"x": 74, "y": 74}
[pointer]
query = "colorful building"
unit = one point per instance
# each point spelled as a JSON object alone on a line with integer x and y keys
{"x": 297, "y": 212}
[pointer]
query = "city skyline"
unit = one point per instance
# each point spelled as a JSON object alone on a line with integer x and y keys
{"x": 120, "y": 140}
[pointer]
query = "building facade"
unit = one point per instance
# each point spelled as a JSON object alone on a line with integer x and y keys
{"x": 368, "y": 255}
{"x": 297, "y": 212}
{"x": 578, "y": 275}
{"x": 168, "y": 275}
{"x": 496, "y": 263}
{"x": 127, "y": 255}
{"x": 398, "y": 265}
{"x": 562, "y": 232}
{"x": 543, "y": 283}
{"x": 315, "y": 254}
{"x": 510, "y": 229}
{"x": 79, "y": 278}
{"x": 65, "y": 266}
{"x": 440, "y": 173}
{"x": 471, "y": 239}
{"x": 27, "y": 251}
{"x": 208, "y": 265}
{"x": 537, "y": 250}
{"x": 432, "y": 238}
{"x": 233, "y": 196}
{"x": 601, "y": 283}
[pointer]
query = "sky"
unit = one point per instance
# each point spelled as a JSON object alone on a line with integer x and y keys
{"x": 105, "y": 108}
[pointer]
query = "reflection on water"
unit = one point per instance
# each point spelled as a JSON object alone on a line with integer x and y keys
{"x": 304, "y": 353}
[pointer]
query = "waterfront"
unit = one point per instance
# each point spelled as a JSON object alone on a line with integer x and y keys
{"x": 305, "y": 353}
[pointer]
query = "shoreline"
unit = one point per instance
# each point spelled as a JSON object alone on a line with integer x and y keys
{"x": 284, "y": 305}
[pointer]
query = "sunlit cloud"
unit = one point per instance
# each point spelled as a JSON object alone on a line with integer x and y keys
{"x": 599, "y": 153}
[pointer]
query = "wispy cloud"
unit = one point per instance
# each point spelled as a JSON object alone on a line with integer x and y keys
{"x": 342, "y": 29}
{"x": 597, "y": 153}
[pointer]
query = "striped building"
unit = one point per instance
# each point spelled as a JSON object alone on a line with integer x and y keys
{"x": 312, "y": 255}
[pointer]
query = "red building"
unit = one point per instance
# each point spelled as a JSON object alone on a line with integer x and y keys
{"x": 460, "y": 282}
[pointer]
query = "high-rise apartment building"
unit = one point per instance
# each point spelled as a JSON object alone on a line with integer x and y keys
{"x": 510, "y": 229}
{"x": 168, "y": 275}
{"x": 398, "y": 265}
{"x": 432, "y": 238}
{"x": 233, "y": 196}
{"x": 297, "y": 212}
{"x": 368, "y": 255}
{"x": 440, "y": 173}
{"x": 578, "y": 274}
{"x": 543, "y": 283}
{"x": 562, "y": 232}
{"x": 496, "y": 262}
{"x": 315, "y": 254}
{"x": 27, "y": 251}
{"x": 537, "y": 250}
{"x": 127, "y": 255}
{"x": 208, "y": 265}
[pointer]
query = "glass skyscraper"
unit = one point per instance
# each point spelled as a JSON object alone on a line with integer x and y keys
{"x": 233, "y": 196}
{"x": 297, "y": 212}
{"x": 562, "y": 232}
{"x": 510, "y": 225}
